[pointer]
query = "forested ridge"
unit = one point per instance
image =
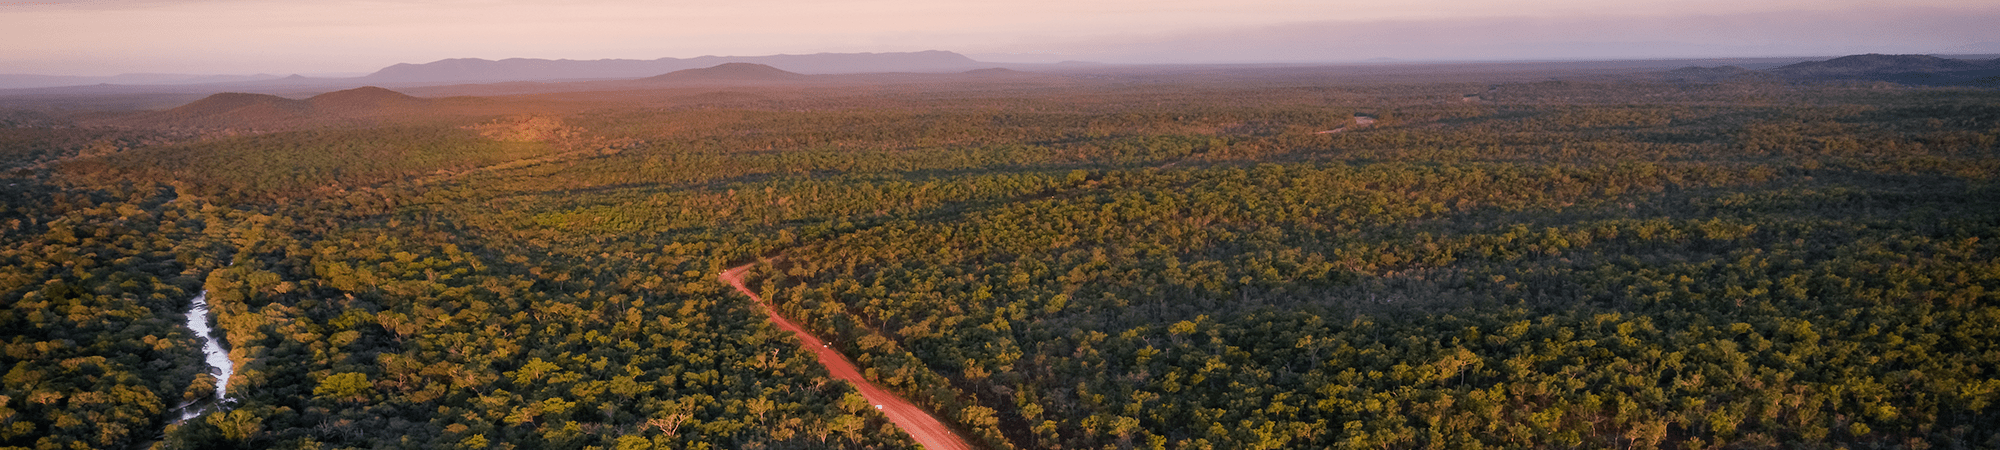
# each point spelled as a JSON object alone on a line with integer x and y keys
{"x": 1174, "y": 264}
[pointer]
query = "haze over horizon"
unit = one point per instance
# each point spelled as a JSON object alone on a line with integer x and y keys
{"x": 106, "y": 37}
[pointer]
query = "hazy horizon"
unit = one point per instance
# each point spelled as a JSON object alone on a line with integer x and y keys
{"x": 101, "y": 38}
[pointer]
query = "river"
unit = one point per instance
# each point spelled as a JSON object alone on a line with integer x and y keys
{"x": 212, "y": 352}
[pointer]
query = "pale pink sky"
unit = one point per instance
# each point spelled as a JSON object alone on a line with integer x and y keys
{"x": 102, "y": 37}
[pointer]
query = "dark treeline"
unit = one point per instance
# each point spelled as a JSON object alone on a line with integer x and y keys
{"x": 1202, "y": 265}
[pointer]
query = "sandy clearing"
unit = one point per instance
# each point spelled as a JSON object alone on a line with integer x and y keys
{"x": 1359, "y": 122}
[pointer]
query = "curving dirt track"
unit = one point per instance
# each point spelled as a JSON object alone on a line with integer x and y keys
{"x": 927, "y": 430}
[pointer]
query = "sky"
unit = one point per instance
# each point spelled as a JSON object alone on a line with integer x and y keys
{"x": 106, "y": 37}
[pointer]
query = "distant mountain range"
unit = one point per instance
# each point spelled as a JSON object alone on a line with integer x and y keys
{"x": 474, "y": 70}
{"x": 1923, "y": 70}
{"x": 367, "y": 104}
{"x": 521, "y": 69}
{"x": 887, "y": 67}
{"x": 17, "y": 81}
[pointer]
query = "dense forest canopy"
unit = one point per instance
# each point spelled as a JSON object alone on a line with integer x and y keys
{"x": 1273, "y": 260}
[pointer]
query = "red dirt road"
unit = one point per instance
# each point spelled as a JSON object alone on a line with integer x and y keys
{"x": 927, "y": 430}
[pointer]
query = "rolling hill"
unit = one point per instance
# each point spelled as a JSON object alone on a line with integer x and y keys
{"x": 363, "y": 100}
{"x": 729, "y": 72}
{"x": 1906, "y": 69}
{"x": 263, "y": 111}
